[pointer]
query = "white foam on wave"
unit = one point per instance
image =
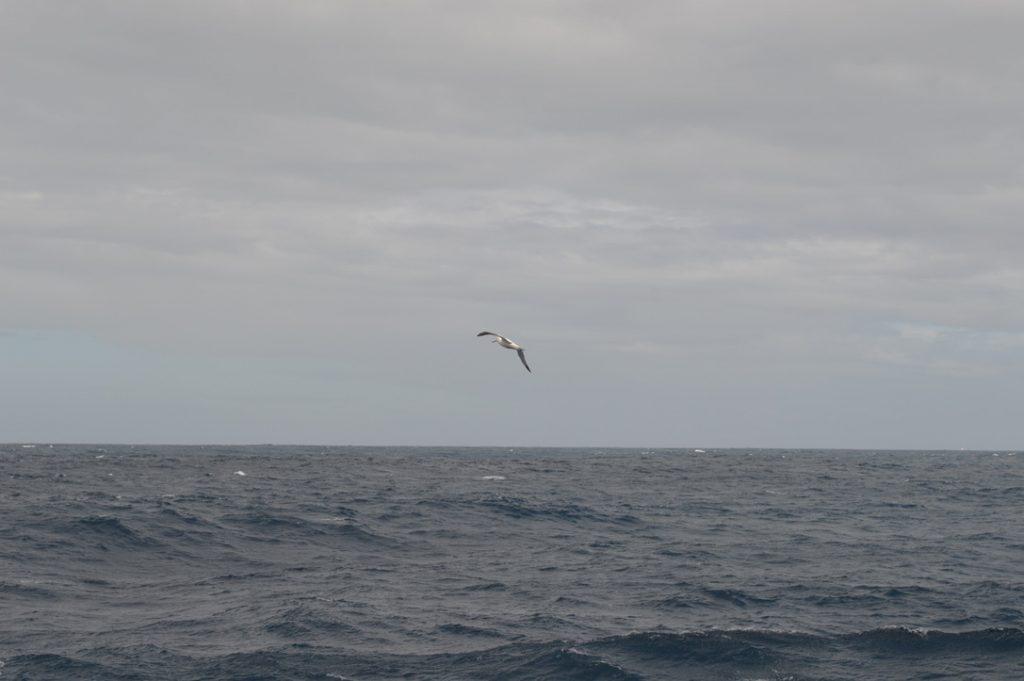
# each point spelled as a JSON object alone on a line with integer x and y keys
{"x": 492, "y": 477}
{"x": 242, "y": 473}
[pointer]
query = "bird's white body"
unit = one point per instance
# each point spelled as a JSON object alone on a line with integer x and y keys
{"x": 506, "y": 343}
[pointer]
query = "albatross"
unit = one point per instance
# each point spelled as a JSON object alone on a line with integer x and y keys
{"x": 506, "y": 343}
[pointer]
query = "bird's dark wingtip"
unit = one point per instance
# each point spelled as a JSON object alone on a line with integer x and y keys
{"x": 522, "y": 358}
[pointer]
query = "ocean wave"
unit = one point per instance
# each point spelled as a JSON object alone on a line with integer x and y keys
{"x": 106, "y": 530}
{"x": 53, "y": 666}
{"x": 717, "y": 647}
{"x": 737, "y": 597}
{"x": 457, "y": 629}
{"x": 523, "y": 509}
{"x": 638, "y": 656}
{"x": 486, "y": 586}
{"x": 176, "y": 515}
{"x": 710, "y": 598}
{"x": 276, "y": 527}
{"x": 677, "y": 602}
{"x": 303, "y": 622}
{"x": 568, "y": 663}
{"x": 910, "y": 640}
{"x": 25, "y": 591}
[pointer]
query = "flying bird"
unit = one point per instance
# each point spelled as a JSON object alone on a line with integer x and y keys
{"x": 506, "y": 343}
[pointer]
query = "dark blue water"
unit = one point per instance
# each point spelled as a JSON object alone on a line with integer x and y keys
{"x": 362, "y": 563}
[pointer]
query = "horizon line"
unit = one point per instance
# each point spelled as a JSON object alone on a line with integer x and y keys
{"x": 698, "y": 449}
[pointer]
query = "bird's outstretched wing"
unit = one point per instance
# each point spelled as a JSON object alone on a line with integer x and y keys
{"x": 522, "y": 358}
{"x": 496, "y": 335}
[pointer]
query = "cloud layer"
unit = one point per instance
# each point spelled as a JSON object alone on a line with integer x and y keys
{"x": 724, "y": 223}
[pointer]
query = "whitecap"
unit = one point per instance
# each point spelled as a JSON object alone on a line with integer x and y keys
{"x": 492, "y": 477}
{"x": 242, "y": 473}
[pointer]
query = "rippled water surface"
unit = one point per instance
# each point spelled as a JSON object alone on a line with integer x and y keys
{"x": 432, "y": 563}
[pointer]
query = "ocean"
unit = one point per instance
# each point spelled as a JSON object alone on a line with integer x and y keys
{"x": 364, "y": 563}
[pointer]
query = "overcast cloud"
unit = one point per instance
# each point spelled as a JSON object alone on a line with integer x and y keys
{"x": 710, "y": 223}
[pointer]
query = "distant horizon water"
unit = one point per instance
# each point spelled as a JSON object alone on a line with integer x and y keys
{"x": 691, "y": 448}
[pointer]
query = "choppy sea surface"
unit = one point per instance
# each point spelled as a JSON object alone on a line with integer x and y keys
{"x": 360, "y": 563}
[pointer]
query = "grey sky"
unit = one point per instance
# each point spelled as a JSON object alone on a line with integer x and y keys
{"x": 709, "y": 223}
